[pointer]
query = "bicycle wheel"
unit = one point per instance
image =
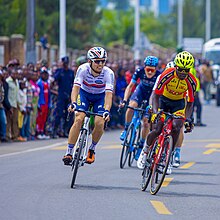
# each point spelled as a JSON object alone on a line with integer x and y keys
{"x": 147, "y": 171}
{"x": 160, "y": 169}
{"x": 78, "y": 157}
{"x": 132, "y": 154}
{"x": 126, "y": 146}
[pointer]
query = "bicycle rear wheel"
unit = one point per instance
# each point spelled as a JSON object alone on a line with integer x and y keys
{"x": 160, "y": 169}
{"x": 147, "y": 171}
{"x": 132, "y": 154}
{"x": 126, "y": 146}
{"x": 76, "y": 161}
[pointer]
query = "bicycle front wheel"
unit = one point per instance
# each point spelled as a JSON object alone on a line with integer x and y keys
{"x": 76, "y": 161}
{"x": 126, "y": 146}
{"x": 147, "y": 171}
{"x": 160, "y": 169}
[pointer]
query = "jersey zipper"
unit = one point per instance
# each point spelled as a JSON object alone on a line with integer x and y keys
{"x": 178, "y": 84}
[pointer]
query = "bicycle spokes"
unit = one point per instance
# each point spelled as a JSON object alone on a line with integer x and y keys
{"x": 160, "y": 166}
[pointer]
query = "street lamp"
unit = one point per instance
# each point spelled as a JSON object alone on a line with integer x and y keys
{"x": 62, "y": 46}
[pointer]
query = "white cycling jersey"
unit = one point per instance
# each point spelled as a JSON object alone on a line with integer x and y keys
{"x": 94, "y": 84}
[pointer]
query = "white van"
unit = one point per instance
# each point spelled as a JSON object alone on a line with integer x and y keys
{"x": 211, "y": 52}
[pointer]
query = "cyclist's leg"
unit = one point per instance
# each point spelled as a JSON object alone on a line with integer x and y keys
{"x": 82, "y": 104}
{"x": 150, "y": 138}
{"x": 98, "y": 107}
{"x": 178, "y": 146}
{"x": 73, "y": 136}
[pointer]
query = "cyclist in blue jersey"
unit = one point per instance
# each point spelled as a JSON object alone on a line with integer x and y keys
{"x": 147, "y": 75}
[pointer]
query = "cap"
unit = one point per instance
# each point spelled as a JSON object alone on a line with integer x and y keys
{"x": 44, "y": 70}
{"x": 65, "y": 59}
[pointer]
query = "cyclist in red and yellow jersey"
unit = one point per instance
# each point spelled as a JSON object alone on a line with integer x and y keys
{"x": 173, "y": 85}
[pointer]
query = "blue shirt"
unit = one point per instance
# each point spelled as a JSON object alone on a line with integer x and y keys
{"x": 65, "y": 79}
{"x": 145, "y": 82}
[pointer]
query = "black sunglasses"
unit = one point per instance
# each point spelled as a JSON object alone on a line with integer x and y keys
{"x": 182, "y": 70}
{"x": 98, "y": 61}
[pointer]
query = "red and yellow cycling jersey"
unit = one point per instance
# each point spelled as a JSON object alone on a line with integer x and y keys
{"x": 170, "y": 86}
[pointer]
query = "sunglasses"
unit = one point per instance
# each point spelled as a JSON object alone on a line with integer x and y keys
{"x": 99, "y": 61}
{"x": 182, "y": 70}
{"x": 150, "y": 69}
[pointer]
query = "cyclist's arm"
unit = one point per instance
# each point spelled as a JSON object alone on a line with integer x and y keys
{"x": 128, "y": 91}
{"x": 189, "y": 109}
{"x": 108, "y": 100}
{"x": 74, "y": 93}
{"x": 155, "y": 102}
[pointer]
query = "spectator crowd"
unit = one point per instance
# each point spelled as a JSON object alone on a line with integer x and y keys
{"x": 34, "y": 97}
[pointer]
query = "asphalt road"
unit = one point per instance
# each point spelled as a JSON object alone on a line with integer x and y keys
{"x": 36, "y": 185}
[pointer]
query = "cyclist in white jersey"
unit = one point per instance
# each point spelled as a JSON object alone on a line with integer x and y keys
{"x": 93, "y": 85}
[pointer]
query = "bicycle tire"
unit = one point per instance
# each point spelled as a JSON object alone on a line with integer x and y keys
{"x": 147, "y": 171}
{"x": 168, "y": 142}
{"x": 132, "y": 154}
{"x": 126, "y": 146}
{"x": 76, "y": 162}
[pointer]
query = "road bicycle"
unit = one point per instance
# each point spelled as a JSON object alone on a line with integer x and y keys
{"x": 81, "y": 148}
{"x": 159, "y": 155}
{"x": 133, "y": 134}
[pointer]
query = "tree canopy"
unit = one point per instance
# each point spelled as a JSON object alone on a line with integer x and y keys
{"x": 87, "y": 24}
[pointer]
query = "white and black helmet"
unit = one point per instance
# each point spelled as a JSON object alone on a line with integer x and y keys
{"x": 170, "y": 64}
{"x": 97, "y": 53}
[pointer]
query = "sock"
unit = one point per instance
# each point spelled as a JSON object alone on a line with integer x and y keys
{"x": 93, "y": 145}
{"x": 141, "y": 144}
{"x": 70, "y": 149}
{"x": 177, "y": 151}
{"x": 127, "y": 125}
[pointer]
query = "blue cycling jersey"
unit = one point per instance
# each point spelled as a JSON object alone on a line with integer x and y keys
{"x": 146, "y": 83}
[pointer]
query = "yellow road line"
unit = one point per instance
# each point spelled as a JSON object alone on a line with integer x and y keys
{"x": 59, "y": 148}
{"x": 111, "y": 147}
{"x": 187, "y": 165}
{"x": 160, "y": 207}
{"x": 103, "y": 148}
{"x": 166, "y": 182}
{"x": 203, "y": 140}
{"x": 212, "y": 145}
{"x": 210, "y": 151}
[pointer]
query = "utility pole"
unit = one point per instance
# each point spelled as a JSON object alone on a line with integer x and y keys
{"x": 62, "y": 47}
{"x": 180, "y": 23}
{"x": 30, "y": 32}
{"x": 137, "y": 31}
{"x": 208, "y": 21}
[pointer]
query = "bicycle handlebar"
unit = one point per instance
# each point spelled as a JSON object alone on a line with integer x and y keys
{"x": 88, "y": 114}
{"x": 135, "y": 109}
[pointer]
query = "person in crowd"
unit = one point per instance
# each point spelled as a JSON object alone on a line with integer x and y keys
{"x": 29, "y": 106}
{"x": 64, "y": 78}
{"x": 12, "y": 116}
{"x": 197, "y": 106}
{"x": 120, "y": 88}
{"x": 44, "y": 103}
{"x": 22, "y": 102}
{"x": 206, "y": 80}
{"x": 2, "y": 110}
{"x": 36, "y": 92}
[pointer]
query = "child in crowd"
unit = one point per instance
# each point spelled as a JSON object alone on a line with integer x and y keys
{"x": 43, "y": 103}
{"x": 22, "y": 101}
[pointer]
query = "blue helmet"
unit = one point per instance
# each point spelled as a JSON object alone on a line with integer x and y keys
{"x": 151, "y": 61}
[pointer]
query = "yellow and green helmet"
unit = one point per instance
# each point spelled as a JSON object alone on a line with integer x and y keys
{"x": 184, "y": 60}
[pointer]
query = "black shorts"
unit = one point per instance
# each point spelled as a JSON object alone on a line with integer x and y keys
{"x": 172, "y": 106}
